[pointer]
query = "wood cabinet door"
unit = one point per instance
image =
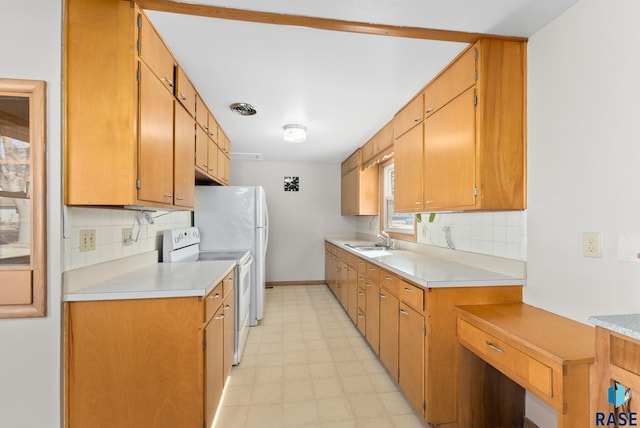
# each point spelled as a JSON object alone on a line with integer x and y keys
{"x": 389, "y": 306}
{"x": 411, "y": 356}
{"x": 410, "y": 115}
{"x": 229, "y": 333}
{"x": 408, "y": 160}
{"x": 349, "y": 193}
{"x": 202, "y": 144}
{"x": 352, "y": 299}
{"x": 450, "y": 157}
{"x": 223, "y": 167}
{"x": 213, "y": 168}
{"x": 185, "y": 91}
{"x": 155, "y": 157}
{"x": 183, "y": 155}
{"x": 214, "y": 365}
{"x": 372, "y": 305}
{"x": 202, "y": 113}
{"x": 155, "y": 54}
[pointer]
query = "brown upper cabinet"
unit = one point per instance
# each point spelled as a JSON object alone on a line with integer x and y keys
{"x": 379, "y": 148}
{"x": 471, "y": 151}
{"x": 127, "y": 139}
{"x": 359, "y": 187}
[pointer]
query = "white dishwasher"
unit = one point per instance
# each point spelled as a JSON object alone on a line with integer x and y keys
{"x": 184, "y": 245}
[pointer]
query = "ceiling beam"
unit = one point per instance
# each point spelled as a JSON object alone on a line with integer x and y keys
{"x": 317, "y": 23}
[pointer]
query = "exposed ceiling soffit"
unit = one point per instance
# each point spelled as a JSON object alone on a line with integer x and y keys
{"x": 317, "y": 23}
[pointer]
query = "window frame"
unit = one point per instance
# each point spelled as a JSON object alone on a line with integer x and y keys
{"x": 26, "y": 284}
{"x": 409, "y": 236}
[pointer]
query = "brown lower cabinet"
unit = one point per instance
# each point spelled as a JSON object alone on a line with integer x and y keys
{"x": 157, "y": 362}
{"x": 413, "y": 330}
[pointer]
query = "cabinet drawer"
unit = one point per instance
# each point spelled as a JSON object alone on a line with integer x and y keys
{"x": 411, "y": 115}
{"x": 227, "y": 285}
{"x": 389, "y": 282}
{"x": 212, "y": 302}
{"x": 361, "y": 322}
{"x": 361, "y": 266}
{"x": 507, "y": 359}
{"x": 373, "y": 274}
{"x": 411, "y": 295}
{"x": 155, "y": 54}
{"x": 456, "y": 79}
{"x": 625, "y": 354}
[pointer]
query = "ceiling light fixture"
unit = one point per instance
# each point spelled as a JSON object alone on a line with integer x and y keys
{"x": 294, "y": 133}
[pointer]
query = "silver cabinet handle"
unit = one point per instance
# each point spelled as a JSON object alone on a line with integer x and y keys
{"x": 367, "y": 285}
{"x": 206, "y": 165}
{"x": 417, "y": 119}
{"x": 430, "y": 201}
{"x": 215, "y": 296}
{"x": 360, "y": 316}
{"x": 168, "y": 195}
{"x": 219, "y": 317}
{"x": 179, "y": 198}
{"x": 418, "y": 203}
{"x": 404, "y": 312}
{"x": 408, "y": 290}
{"x": 429, "y": 110}
{"x": 167, "y": 81}
{"x": 494, "y": 347}
{"x": 388, "y": 278}
{"x": 227, "y": 307}
{"x": 360, "y": 293}
{"x": 183, "y": 96}
{"x": 382, "y": 296}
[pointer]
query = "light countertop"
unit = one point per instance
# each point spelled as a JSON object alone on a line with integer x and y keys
{"x": 628, "y": 324}
{"x": 181, "y": 279}
{"x": 429, "y": 271}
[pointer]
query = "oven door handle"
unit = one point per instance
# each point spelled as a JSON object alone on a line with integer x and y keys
{"x": 247, "y": 262}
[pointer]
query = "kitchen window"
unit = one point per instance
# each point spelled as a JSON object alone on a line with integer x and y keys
{"x": 398, "y": 225}
{"x": 23, "y": 278}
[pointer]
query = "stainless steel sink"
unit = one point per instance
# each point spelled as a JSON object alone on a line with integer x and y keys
{"x": 367, "y": 247}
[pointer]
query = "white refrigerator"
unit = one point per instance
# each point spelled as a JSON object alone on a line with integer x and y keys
{"x": 236, "y": 218}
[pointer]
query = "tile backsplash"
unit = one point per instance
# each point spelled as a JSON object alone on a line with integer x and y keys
{"x": 108, "y": 224}
{"x": 500, "y": 234}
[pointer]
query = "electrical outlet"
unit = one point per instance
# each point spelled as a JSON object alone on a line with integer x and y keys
{"x": 87, "y": 240}
{"x": 127, "y": 236}
{"x": 591, "y": 244}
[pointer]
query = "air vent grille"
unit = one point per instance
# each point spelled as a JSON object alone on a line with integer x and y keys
{"x": 243, "y": 109}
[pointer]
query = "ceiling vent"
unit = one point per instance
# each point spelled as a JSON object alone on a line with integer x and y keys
{"x": 243, "y": 109}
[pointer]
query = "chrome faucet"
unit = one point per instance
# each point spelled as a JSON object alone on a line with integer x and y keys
{"x": 387, "y": 241}
{"x": 447, "y": 236}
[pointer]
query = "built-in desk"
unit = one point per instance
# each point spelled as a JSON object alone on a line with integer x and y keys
{"x": 506, "y": 349}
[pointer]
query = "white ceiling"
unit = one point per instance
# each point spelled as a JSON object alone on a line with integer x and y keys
{"x": 342, "y": 86}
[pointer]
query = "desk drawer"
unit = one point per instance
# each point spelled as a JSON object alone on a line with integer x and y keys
{"x": 412, "y": 295}
{"x": 507, "y": 359}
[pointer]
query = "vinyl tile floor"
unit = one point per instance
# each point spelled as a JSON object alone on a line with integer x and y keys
{"x": 306, "y": 365}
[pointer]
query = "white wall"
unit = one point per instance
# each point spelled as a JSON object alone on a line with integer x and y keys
{"x": 298, "y": 220}
{"x": 30, "y": 349}
{"x": 584, "y": 150}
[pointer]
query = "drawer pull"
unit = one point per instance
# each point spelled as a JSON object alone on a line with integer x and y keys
{"x": 494, "y": 347}
{"x": 429, "y": 110}
{"x": 360, "y": 316}
{"x": 417, "y": 203}
{"x": 167, "y": 81}
{"x": 360, "y": 293}
{"x": 226, "y": 307}
{"x": 215, "y": 296}
{"x": 219, "y": 317}
{"x": 367, "y": 285}
{"x": 382, "y": 296}
{"x": 388, "y": 278}
{"x": 403, "y": 312}
{"x": 168, "y": 195}
{"x": 417, "y": 119}
{"x": 408, "y": 290}
{"x": 183, "y": 96}
{"x": 180, "y": 198}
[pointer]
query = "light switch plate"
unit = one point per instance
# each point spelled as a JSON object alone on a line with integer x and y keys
{"x": 87, "y": 240}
